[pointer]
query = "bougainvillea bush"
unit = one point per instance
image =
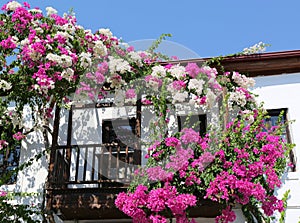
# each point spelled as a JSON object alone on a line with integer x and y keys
{"x": 240, "y": 165}
{"x": 48, "y": 61}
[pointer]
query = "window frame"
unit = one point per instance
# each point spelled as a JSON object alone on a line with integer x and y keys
{"x": 202, "y": 119}
{"x": 274, "y": 113}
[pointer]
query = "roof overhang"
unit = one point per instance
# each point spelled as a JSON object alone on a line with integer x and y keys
{"x": 262, "y": 64}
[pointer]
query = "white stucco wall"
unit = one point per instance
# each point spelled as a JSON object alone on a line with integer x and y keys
{"x": 32, "y": 179}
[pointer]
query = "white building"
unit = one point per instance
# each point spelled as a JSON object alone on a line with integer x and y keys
{"x": 78, "y": 186}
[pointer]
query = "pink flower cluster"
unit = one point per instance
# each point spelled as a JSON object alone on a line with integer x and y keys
{"x": 18, "y": 136}
{"x": 146, "y": 206}
{"x": 3, "y": 193}
{"x": 270, "y": 204}
{"x": 8, "y": 43}
{"x": 180, "y": 160}
{"x": 178, "y": 85}
{"x": 3, "y": 144}
{"x": 192, "y": 69}
{"x": 54, "y": 49}
{"x": 227, "y": 216}
{"x": 204, "y": 160}
{"x": 130, "y": 93}
{"x": 172, "y": 141}
{"x": 227, "y": 186}
{"x": 189, "y": 136}
{"x": 249, "y": 171}
{"x": 157, "y": 173}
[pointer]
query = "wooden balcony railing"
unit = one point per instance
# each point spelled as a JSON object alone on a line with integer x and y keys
{"x": 97, "y": 165}
{"x": 86, "y": 179}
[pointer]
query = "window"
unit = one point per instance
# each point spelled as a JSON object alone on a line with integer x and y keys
{"x": 120, "y": 140}
{"x": 197, "y": 122}
{"x": 119, "y": 131}
{"x": 9, "y": 160}
{"x": 273, "y": 120}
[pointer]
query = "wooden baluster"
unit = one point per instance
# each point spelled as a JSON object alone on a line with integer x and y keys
{"x": 93, "y": 164}
{"x": 85, "y": 163}
{"x": 77, "y": 164}
{"x": 118, "y": 162}
{"x": 109, "y": 162}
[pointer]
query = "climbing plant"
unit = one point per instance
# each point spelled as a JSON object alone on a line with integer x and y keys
{"x": 49, "y": 61}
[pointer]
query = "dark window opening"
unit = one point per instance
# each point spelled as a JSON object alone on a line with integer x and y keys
{"x": 273, "y": 121}
{"x": 119, "y": 131}
{"x": 196, "y": 122}
{"x": 120, "y": 140}
{"x": 9, "y": 161}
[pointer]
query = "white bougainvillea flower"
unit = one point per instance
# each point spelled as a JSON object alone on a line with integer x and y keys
{"x": 99, "y": 49}
{"x": 51, "y": 11}
{"x": 4, "y": 85}
{"x": 106, "y": 32}
{"x": 158, "y": 71}
{"x": 196, "y": 85}
{"x": 13, "y": 5}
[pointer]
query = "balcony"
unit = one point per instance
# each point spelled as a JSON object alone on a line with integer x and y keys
{"x": 84, "y": 180}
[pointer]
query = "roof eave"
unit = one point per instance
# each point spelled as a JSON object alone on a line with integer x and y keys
{"x": 258, "y": 64}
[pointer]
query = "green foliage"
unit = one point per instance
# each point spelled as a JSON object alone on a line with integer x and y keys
{"x": 156, "y": 44}
{"x": 16, "y": 213}
{"x": 284, "y": 199}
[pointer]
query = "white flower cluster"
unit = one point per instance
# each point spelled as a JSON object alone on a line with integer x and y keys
{"x": 4, "y": 85}
{"x": 177, "y": 71}
{"x": 85, "y": 60}
{"x": 13, "y": 117}
{"x": 171, "y": 89}
{"x": 51, "y": 11}
{"x": 66, "y": 61}
{"x": 15, "y": 39}
{"x": 106, "y": 32}
{"x": 35, "y": 10}
{"x": 116, "y": 81}
{"x": 13, "y": 5}
{"x": 24, "y": 42}
{"x": 158, "y": 71}
{"x": 68, "y": 74}
{"x": 70, "y": 28}
{"x": 136, "y": 58}
{"x": 118, "y": 65}
{"x": 256, "y": 48}
{"x": 180, "y": 97}
{"x": 99, "y": 49}
{"x": 242, "y": 80}
{"x": 238, "y": 97}
{"x": 63, "y": 60}
{"x": 197, "y": 85}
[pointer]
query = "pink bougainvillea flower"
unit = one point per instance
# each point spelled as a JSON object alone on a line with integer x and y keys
{"x": 3, "y": 193}
{"x": 18, "y": 136}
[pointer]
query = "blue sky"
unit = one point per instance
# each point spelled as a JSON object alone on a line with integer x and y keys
{"x": 209, "y": 28}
